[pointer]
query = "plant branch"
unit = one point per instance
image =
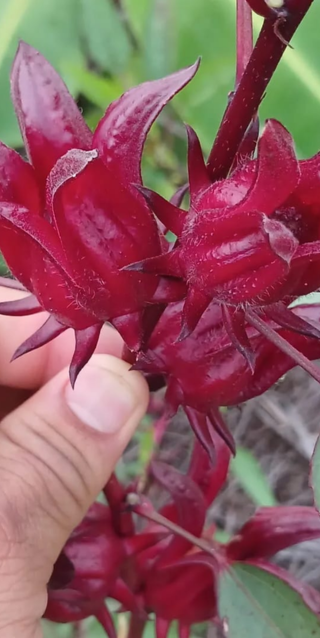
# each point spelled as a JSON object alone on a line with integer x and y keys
{"x": 136, "y": 627}
{"x": 244, "y": 38}
{"x": 283, "y": 345}
{"x": 246, "y": 99}
{"x": 145, "y": 510}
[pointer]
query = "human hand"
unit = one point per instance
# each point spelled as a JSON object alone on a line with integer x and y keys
{"x": 58, "y": 447}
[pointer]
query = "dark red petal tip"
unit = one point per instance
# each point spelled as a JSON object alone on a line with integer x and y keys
{"x": 7, "y": 282}
{"x": 277, "y": 172}
{"x": 21, "y": 307}
{"x": 86, "y": 342}
{"x": 51, "y": 329}
{"x": 121, "y": 133}
{"x": 172, "y": 218}
{"x": 198, "y": 173}
{"x": 50, "y": 121}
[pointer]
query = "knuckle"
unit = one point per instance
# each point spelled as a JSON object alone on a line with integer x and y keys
{"x": 43, "y": 473}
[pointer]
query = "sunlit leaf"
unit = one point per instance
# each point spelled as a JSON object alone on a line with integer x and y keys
{"x": 253, "y": 481}
{"x": 260, "y": 605}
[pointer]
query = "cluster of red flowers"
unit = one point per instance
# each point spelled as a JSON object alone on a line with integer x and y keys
{"x": 208, "y": 317}
{"x": 175, "y": 577}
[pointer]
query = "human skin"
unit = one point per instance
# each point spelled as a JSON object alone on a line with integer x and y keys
{"x": 58, "y": 447}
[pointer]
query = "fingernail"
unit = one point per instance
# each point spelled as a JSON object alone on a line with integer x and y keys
{"x": 101, "y": 399}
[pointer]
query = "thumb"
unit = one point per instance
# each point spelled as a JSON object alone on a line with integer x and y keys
{"x": 57, "y": 451}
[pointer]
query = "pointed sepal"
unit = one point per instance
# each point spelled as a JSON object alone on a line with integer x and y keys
{"x": 285, "y": 318}
{"x": 195, "y": 305}
{"x": 50, "y": 121}
{"x": 234, "y": 322}
{"x": 105, "y": 619}
{"x": 198, "y": 174}
{"x": 277, "y": 171}
{"x": 208, "y": 472}
{"x": 21, "y": 307}
{"x": 172, "y": 218}
{"x": 121, "y": 134}
{"x": 86, "y": 343}
{"x": 221, "y": 428}
{"x": 51, "y": 329}
{"x": 166, "y": 264}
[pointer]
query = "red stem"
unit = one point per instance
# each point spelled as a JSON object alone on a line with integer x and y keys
{"x": 283, "y": 345}
{"x": 244, "y": 38}
{"x": 247, "y": 97}
{"x": 136, "y": 627}
{"x": 144, "y": 510}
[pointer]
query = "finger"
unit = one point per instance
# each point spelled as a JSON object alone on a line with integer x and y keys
{"x": 57, "y": 451}
{"x": 35, "y": 368}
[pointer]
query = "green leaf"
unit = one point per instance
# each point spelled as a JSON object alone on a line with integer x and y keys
{"x": 137, "y": 12}
{"x": 159, "y": 40}
{"x": 315, "y": 474}
{"x": 260, "y": 605}
{"x": 53, "y": 630}
{"x": 11, "y": 14}
{"x": 105, "y": 36}
{"x": 100, "y": 91}
{"x": 247, "y": 470}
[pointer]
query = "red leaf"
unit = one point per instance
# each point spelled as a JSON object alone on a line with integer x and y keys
{"x": 272, "y": 529}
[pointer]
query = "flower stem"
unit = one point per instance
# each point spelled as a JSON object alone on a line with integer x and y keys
{"x": 244, "y": 38}
{"x": 246, "y": 99}
{"x": 146, "y": 511}
{"x": 78, "y": 630}
{"x": 283, "y": 345}
{"x": 136, "y": 627}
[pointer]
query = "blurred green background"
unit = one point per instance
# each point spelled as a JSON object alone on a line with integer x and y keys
{"x": 103, "y": 47}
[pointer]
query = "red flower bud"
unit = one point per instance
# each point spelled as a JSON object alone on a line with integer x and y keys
{"x": 73, "y": 210}
{"x": 96, "y": 554}
{"x": 206, "y": 370}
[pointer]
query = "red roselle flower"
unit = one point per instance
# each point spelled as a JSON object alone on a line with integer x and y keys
{"x": 90, "y": 569}
{"x": 201, "y": 566}
{"x": 183, "y": 552}
{"x": 69, "y": 220}
{"x": 223, "y": 376}
{"x": 248, "y": 242}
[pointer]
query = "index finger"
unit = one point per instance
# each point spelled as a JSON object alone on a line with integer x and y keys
{"x": 35, "y": 368}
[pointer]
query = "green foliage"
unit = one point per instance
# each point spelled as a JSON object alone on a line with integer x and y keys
{"x": 106, "y": 39}
{"x": 250, "y": 476}
{"x": 260, "y": 605}
{"x": 315, "y": 474}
